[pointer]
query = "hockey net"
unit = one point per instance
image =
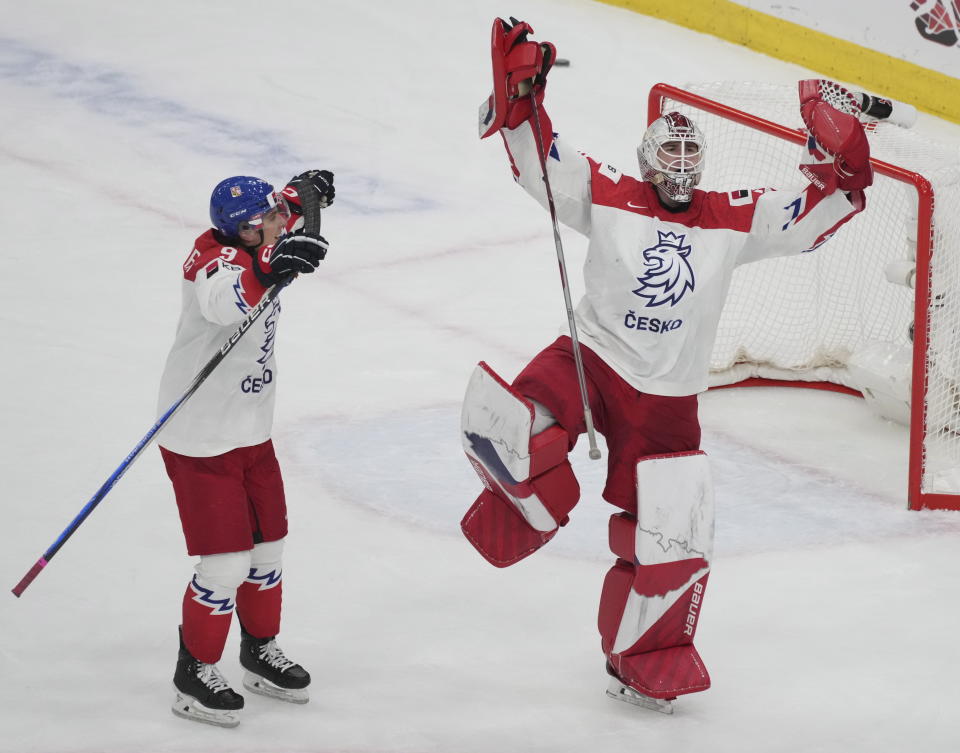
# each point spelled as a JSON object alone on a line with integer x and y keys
{"x": 876, "y": 310}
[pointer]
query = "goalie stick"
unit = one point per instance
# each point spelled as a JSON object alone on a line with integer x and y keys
{"x": 311, "y": 222}
{"x": 577, "y": 357}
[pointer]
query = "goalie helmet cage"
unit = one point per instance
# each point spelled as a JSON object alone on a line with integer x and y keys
{"x": 802, "y": 320}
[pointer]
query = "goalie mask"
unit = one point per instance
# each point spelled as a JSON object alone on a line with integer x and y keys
{"x": 671, "y": 156}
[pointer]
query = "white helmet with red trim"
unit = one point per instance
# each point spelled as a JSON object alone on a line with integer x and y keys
{"x": 671, "y": 156}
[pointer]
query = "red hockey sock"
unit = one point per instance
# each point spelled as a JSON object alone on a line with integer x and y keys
{"x": 206, "y": 620}
{"x": 259, "y": 600}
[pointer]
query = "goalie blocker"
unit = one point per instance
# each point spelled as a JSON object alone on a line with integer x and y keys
{"x": 529, "y": 484}
{"x": 520, "y": 67}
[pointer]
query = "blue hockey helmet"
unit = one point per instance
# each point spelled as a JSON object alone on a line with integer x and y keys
{"x": 239, "y": 203}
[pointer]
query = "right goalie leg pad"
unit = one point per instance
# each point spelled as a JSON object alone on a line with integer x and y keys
{"x": 651, "y": 598}
{"x": 529, "y": 484}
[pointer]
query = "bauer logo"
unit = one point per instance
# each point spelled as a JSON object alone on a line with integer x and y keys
{"x": 668, "y": 274}
{"x": 693, "y": 611}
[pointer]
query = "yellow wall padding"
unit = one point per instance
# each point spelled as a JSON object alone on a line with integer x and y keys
{"x": 876, "y": 72}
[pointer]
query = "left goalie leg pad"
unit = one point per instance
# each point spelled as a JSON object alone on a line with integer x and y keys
{"x": 530, "y": 487}
{"x": 652, "y": 597}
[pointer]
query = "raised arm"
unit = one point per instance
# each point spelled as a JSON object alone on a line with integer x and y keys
{"x": 515, "y": 110}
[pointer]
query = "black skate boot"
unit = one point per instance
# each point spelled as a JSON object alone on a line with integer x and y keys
{"x": 269, "y": 672}
{"x": 203, "y": 694}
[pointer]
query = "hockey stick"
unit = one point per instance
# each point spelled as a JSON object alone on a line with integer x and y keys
{"x": 311, "y": 219}
{"x": 577, "y": 356}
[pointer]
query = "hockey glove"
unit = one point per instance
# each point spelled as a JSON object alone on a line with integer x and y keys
{"x": 526, "y": 63}
{"x": 840, "y": 135}
{"x": 519, "y": 66}
{"x": 297, "y": 252}
{"x": 320, "y": 181}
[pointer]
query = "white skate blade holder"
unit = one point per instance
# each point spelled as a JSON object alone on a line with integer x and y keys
{"x": 256, "y": 684}
{"x": 188, "y": 707}
{"x": 621, "y": 692}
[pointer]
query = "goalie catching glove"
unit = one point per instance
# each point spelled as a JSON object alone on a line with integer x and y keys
{"x": 520, "y": 66}
{"x": 839, "y": 134}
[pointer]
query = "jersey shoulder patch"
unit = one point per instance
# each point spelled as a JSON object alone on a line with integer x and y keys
{"x": 210, "y": 256}
{"x": 744, "y": 196}
{"x": 740, "y": 197}
{"x": 217, "y": 264}
{"x": 609, "y": 172}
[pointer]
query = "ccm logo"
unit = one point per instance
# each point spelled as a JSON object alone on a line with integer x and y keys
{"x": 695, "y": 598}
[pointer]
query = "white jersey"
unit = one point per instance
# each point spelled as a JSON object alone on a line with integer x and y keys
{"x": 234, "y": 406}
{"x": 656, "y": 281}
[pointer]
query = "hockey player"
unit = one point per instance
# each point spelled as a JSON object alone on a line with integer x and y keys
{"x": 659, "y": 262}
{"x": 217, "y": 449}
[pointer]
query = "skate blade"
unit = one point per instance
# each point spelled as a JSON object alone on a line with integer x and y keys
{"x": 188, "y": 707}
{"x": 620, "y": 692}
{"x": 256, "y": 684}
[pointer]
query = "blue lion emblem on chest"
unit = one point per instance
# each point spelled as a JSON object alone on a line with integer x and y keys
{"x": 668, "y": 274}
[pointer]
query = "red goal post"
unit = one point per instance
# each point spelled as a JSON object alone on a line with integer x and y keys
{"x": 842, "y": 318}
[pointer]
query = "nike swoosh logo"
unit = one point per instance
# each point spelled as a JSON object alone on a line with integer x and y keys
{"x": 635, "y": 206}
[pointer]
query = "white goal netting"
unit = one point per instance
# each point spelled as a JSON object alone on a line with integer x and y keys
{"x": 834, "y": 315}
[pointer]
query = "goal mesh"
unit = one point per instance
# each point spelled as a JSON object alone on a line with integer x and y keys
{"x": 807, "y": 317}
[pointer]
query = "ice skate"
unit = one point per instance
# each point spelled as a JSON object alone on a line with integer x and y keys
{"x": 270, "y": 672}
{"x": 203, "y": 694}
{"x": 619, "y": 690}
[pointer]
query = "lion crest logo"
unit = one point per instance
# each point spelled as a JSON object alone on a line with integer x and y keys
{"x": 668, "y": 274}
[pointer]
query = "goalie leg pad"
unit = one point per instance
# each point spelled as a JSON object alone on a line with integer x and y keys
{"x": 651, "y": 598}
{"x": 530, "y": 486}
